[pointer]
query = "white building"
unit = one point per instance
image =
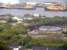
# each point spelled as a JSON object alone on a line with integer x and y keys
{"x": 15, "y": 47}
{"x": 52, "y": 32}
{"x": 36, "y": 15}
{"x": 47, "y": 29}
{"x": 19, "y": 20}
{"x": 50, "y": 29}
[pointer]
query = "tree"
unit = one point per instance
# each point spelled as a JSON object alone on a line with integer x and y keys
{"x": 12, "y": 35}
{"x": 27, "y": 42}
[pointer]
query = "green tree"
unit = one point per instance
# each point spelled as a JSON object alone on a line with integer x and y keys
{"x": 12, "y": 35}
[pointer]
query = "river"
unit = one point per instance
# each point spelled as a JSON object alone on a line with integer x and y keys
{"x": 21, "y": 12}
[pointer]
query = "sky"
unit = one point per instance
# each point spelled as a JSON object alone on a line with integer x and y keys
{"x": 9, "y": 1}
{"x": 17, "y": 1}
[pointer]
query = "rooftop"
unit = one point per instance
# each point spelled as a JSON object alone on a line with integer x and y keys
{"x": 47, "y": 28}
{"x": 50, "y": 28}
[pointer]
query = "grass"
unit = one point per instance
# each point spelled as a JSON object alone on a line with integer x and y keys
{"x": 47, "y": 42}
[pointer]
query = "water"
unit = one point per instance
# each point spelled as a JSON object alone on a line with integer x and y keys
{"x": 21, "y": 12}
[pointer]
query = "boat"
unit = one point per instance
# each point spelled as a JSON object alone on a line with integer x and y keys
{"x": 55, "y": 8}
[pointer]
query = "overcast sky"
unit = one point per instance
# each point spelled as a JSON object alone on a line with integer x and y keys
{"x": 16, "y": 1}
{"x": 9, "y": 1}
